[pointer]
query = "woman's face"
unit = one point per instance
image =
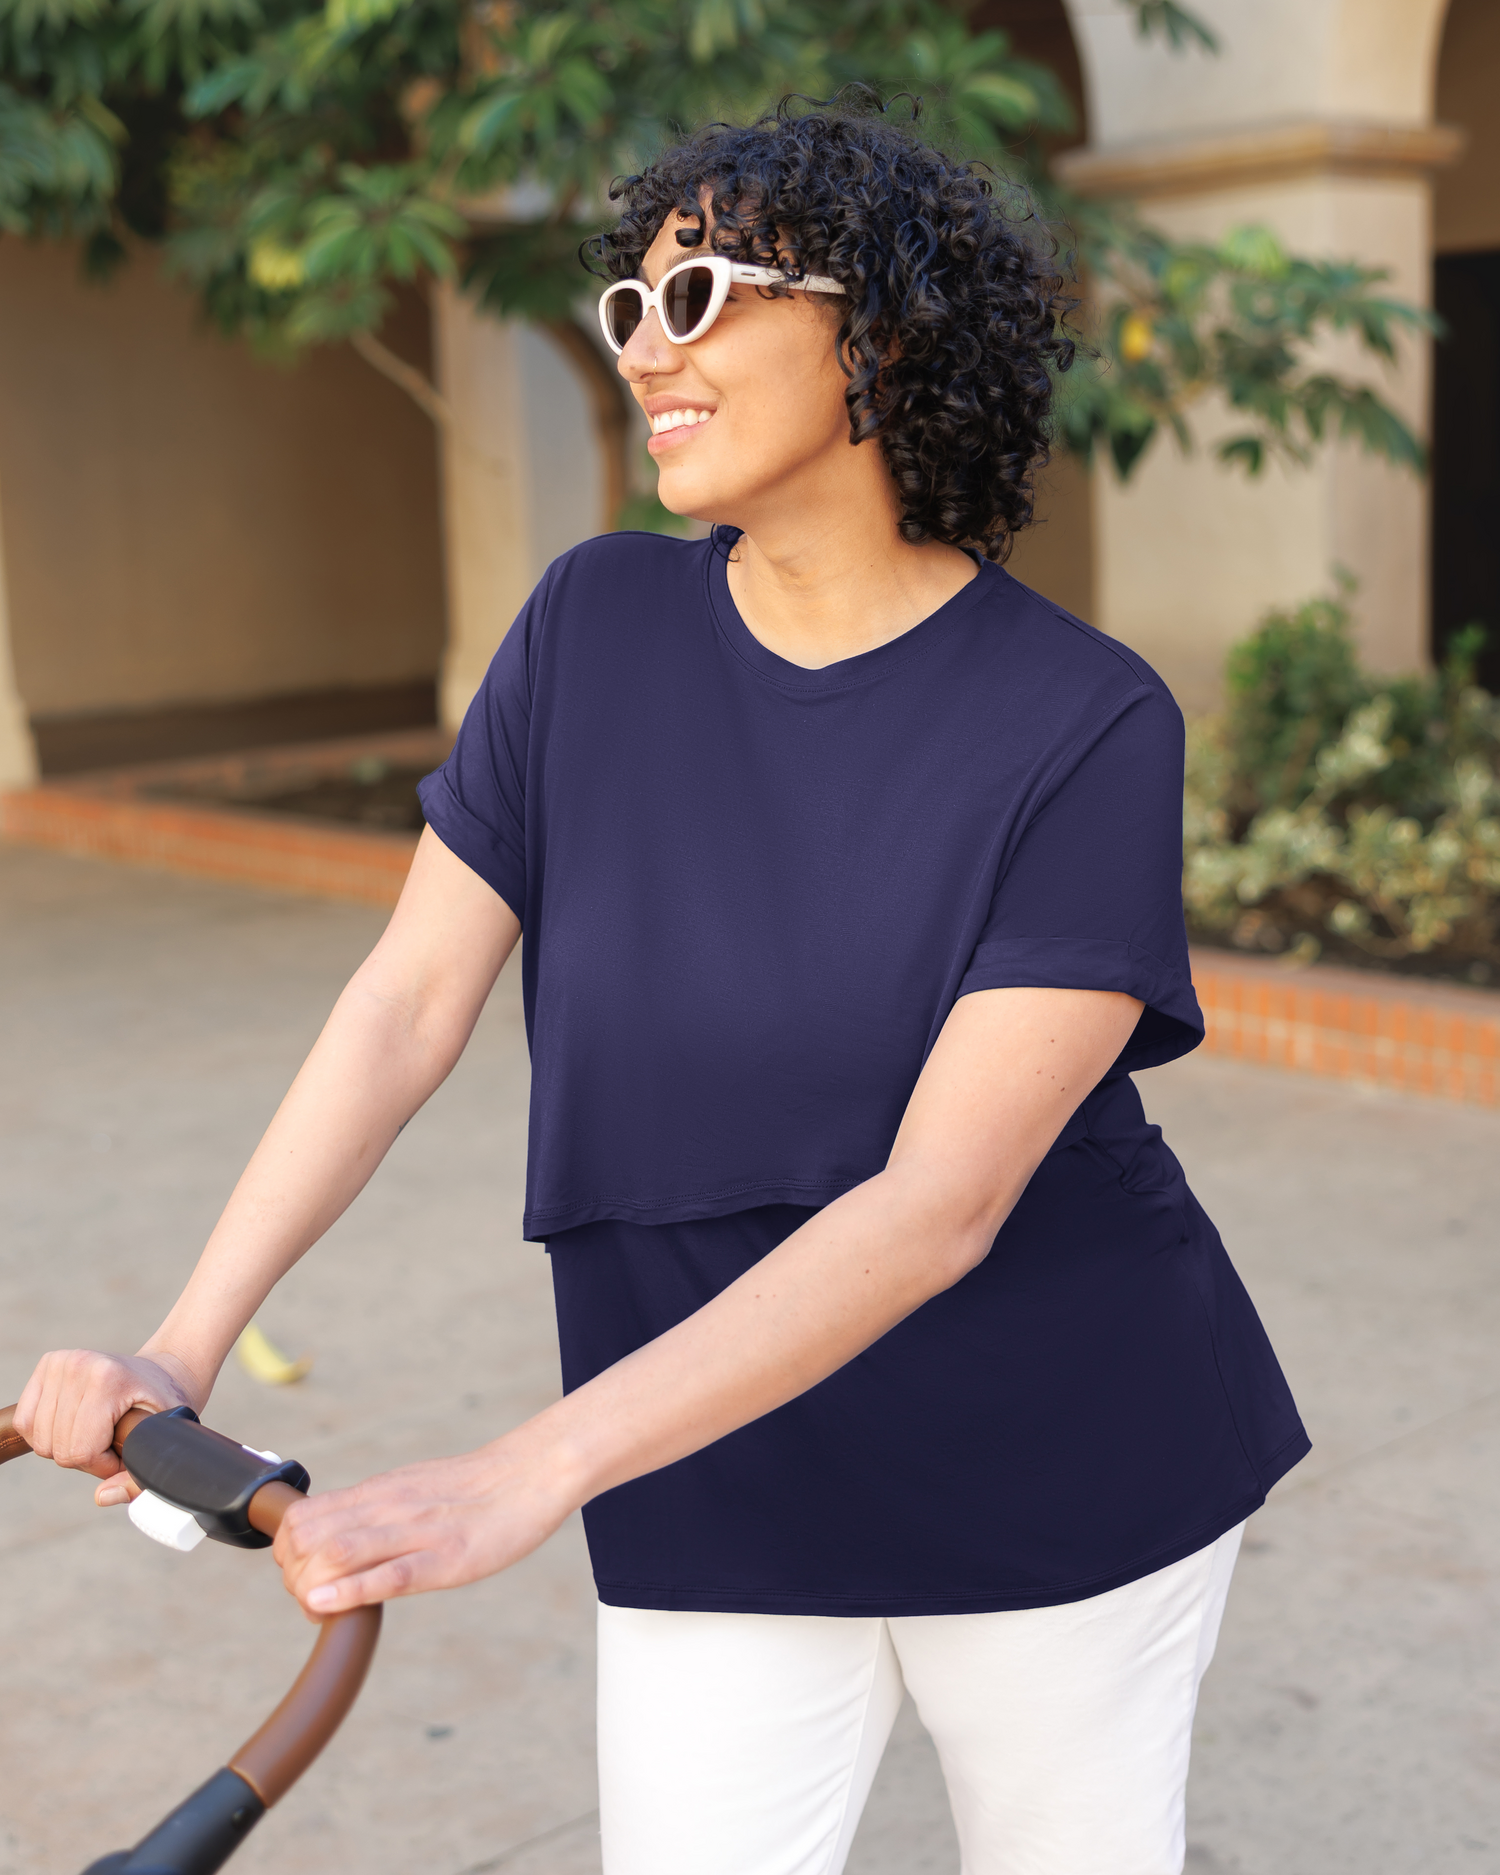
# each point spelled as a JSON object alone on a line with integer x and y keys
{"x": 766, "y": 391}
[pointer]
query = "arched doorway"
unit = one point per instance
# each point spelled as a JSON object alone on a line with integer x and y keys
{"x": 1466, "y": 366}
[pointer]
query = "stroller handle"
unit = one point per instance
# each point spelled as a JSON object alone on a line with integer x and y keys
{"x": 199, "y": 1836}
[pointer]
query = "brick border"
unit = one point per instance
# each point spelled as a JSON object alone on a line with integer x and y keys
{"x": 251, "y": 849}
{"x": 1413, "y": 1037}
{"x": 111, "y": 814}
{"x": 1417, "y": 1038}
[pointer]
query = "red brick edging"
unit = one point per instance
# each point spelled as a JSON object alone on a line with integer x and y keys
{"x": 111, "y": 815}
{"x": 253, "y": 849}
{"x": 1415, "y": 1037}
{"x": 1418, "y": 1038}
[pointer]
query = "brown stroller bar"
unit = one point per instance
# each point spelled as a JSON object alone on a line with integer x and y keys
{"x": 239, "y": 1497}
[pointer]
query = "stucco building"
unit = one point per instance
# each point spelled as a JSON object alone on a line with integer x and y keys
{"x": 200, "y": 551}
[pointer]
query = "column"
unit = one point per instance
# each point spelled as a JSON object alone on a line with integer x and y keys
{"x": 486, "y": 491}
{"x": 18, "y": 767}
{"x": 1315, "y": 120}
{"x": 523, "y": 479}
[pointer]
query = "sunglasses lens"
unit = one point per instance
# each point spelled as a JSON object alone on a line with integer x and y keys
{"x": 686, "y": 300}
{"x": 624, "y": 310}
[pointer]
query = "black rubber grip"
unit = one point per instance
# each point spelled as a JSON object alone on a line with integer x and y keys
{"x": 205, "y": 1473}
{"x": 198, "y": 1837}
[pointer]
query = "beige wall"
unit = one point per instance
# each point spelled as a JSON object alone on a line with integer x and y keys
{"x": 1466, "y": 210}
{"x": 1279, "y": 60}
{"x": 186, "y": 524}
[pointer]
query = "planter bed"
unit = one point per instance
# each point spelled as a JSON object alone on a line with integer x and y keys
{"x": 334, "y": 819}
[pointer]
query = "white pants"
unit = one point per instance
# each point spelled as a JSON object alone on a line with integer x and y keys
{"x": 747, "y": 1744}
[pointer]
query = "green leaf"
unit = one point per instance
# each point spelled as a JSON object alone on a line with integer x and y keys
{"x": 1127, "y": 444}
{"x": 1248, "y": 451}
{"x": 358, "y": 15}
{"x": 1174, "y": 23}
{"x": 325, "y": 318}
{"x": 1254, "y": 250}
{"x": 490, "y": 122}
{"x": 1008, "y": 99}
{"x": 712, "y": 27}
{"x": 529, "y": 270}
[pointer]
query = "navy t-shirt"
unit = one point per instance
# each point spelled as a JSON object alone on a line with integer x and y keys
{"x": 751, "y": 894}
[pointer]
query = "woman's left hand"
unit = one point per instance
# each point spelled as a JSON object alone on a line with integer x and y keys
{"x": 434, "y": 1525}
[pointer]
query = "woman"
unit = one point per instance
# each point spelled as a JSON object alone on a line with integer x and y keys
{"x": 896, "y": 1350}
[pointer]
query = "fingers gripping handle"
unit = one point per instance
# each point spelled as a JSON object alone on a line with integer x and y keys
{"x": 187, "y": 1465}
{"x": 12, "y": 1445}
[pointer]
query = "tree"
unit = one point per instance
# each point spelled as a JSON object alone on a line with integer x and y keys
{"x": 297, "y": 161}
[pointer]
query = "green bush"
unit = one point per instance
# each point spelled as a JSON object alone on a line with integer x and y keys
{"x": 1330, "y": 809}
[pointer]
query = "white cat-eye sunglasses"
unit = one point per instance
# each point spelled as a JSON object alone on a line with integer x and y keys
{"x": 690, "y": 296}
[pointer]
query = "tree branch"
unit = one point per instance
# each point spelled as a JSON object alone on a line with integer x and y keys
{"x": 608, "y": 399}
{"x": 406, "y": 377}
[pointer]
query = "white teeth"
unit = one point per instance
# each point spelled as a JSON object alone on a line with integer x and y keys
{"x": 675, "y": 419}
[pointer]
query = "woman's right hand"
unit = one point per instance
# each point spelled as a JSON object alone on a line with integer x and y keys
{"x": 76, "y": 1398}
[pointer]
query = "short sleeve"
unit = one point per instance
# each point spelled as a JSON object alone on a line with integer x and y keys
{"x": 476, "y": 802}
{"x": 1091, "y": 898}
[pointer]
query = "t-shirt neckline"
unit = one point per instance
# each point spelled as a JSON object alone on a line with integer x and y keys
{"x": 864, "y": 666}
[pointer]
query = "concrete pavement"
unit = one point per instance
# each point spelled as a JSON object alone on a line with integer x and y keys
{"x": 1351, "y": 1722}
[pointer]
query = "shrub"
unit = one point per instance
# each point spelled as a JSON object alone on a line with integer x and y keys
{"x": 1332, "y": 809}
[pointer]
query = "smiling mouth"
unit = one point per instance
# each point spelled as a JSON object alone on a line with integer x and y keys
{"x": 670, "y": 420}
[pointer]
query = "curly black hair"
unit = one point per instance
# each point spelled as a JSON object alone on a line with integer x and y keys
{"x": 957, "y": 305}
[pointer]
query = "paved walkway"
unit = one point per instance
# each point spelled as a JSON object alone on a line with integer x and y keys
{"x": 1351, "y": 1725}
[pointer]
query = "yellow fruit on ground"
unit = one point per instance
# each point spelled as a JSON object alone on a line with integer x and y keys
{"x": 265, "y": 1362}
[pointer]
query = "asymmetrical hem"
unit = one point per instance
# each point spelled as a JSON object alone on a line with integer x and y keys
{"x": 703, "y": 1598}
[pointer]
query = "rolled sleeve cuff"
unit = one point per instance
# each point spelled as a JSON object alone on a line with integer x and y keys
{"x": 483, "y": 850}
{"x": 1171, "y": 1024}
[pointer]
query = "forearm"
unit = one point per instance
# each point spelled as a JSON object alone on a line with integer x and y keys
{"x": 831, "y": 1289}
{"x": 373, "y": 1066}
{"x": 834, "y": 1287}
{"x": 1007, "y": 1070}
{"x": 392, "y": 1038}
{"x": 866, "y": 1261}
